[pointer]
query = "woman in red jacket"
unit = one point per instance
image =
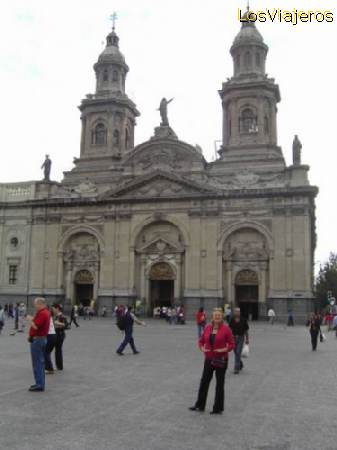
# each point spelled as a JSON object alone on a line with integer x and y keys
{"x": 216, "y": 342}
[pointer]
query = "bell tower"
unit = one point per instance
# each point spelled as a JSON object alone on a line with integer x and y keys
{"x": 249, "y": 101}
{"x": 108, "y": 116}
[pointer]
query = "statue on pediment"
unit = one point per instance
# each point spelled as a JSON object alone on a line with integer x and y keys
{"x": 163, "y": 112}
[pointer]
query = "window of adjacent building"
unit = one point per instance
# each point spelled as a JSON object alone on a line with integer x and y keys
{"x": 248, "y": 121}
{"x": 99, "y": 135}
{"x": 14, "y": 242}
{"x": 116, "y": 137}
{"x": 13, "y": 274}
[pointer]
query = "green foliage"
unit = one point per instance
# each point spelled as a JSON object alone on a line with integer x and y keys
{"x": 327, "y": 280}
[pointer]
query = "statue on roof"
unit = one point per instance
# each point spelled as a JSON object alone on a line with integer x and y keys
{"x": 297, "y": 149}
{"x": 163, "y": 112}
{"x": 46, "y": 166}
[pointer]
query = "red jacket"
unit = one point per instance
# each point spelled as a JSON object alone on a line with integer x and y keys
{"x": 200, "y": 317}
{"x": 42, "y": 321}
{"x": 223, "y": 338}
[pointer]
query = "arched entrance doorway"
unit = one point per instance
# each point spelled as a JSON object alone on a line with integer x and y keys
{"x": 161, "y": 285}
{"x": 84, "y": 287}
{"x": 247, "y": 293}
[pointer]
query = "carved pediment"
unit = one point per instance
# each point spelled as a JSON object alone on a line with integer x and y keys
{"x": 159, "y": 184}
{"x": 161, "y": 246}
{"x": 164, "y": 154}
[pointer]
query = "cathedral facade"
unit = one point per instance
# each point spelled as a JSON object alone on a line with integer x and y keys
{"x": 156, "y": 222}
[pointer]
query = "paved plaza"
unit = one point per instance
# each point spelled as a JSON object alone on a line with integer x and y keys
{"x": 285, "y": 399}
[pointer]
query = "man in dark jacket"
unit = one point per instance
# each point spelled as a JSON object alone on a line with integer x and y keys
{"x": 239, "y": 327}
{"x": 128, "y": 321}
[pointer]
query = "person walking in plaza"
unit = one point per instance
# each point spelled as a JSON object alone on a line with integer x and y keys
{"x": 271, "y": 316}
{"x": 201, "y": 320}
{"x": 51, "y": 341}
{"x": 314, "y": 330}
{"x": 216, "y": 342}
{"x": 128, "y": 320}
{"x": 60, "y": 323}
{"x": 239, "y": 327}
{"x": 39, "y": 326}
{"x": 74, "y": 316}
{"x": 21, "y": 314}
{"x": 290, "y": 322}
{"x": 2, "y": 318}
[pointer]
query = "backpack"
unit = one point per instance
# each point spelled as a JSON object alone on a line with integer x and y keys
{"x": 121, "y": 322}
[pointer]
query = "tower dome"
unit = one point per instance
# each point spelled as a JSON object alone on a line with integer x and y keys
{"x": 111, "y": 53}
{"x": 248, "y": 50}
{"x": 111, "y": 68}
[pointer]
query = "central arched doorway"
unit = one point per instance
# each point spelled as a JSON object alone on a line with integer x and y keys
{"x": 84, "y": 287}
{"x": 161, "y": 279}
{"x": 247, "y": 293}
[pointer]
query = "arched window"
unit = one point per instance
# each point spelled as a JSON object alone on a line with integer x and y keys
{"x": 258, "y": 60}
{"x": 105, "y": 75}
{"x": 116, "y": 138}
{"x": 127, "y": 138}
{"x": 248, "y": 60}
{"x": 266, "y": 125}
{"x": 115, "y": 76}
{"x": 248, "y": 121}
{"x": 99, "y": 135}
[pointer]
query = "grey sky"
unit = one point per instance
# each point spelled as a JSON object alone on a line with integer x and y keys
{"x": 174, "y": 49}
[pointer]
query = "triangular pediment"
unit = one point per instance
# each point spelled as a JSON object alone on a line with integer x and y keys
{"x": 159, "y": 185}
{"x": 160, "y": 246}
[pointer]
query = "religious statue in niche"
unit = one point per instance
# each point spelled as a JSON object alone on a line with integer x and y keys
{"x": 163, "y": 112}
{"x": 46, "y": 166}
{"x": 297, "y": 149}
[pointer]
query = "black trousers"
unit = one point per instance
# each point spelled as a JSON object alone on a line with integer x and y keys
{"x": 58, "y": 350}
{"x": 314, "y": 338}
{"x": 73, "y": 319}
{"x": 206, "y": 378}
{"x": 51, "y": 341}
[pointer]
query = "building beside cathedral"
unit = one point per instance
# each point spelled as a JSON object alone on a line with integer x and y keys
{"x": 157, "y": 222}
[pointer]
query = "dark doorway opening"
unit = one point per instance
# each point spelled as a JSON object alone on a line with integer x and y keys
{"x": 84, "y": 294}
{"x": 247, "y": 299}
{"x": 162, "y": 293}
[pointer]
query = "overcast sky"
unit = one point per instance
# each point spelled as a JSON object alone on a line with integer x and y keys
{"x": 174, "y": 48}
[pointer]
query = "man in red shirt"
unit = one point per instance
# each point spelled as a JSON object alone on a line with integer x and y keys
{"x": 39, "y": 326}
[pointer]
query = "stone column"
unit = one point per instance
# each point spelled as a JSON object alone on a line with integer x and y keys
{"x": 143, "y": 260}
{"x": 177, "y": 281}
{"x": 60, "y": 281}
{"x": 68, "y": 287}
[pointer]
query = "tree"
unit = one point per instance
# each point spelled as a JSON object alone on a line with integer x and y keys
{"x": 326, "y": 281}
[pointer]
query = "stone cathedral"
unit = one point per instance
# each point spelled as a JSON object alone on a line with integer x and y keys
{"x": 158, "y": 223}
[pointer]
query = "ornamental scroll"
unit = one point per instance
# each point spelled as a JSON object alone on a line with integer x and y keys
{"x": 162, "y": 271}
{"x": 247, "y": 278}
{"x": 84, "y": 277}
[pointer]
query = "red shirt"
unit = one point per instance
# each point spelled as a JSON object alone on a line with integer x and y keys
{"x": 223, "y": 338}
{"x": 42, "y": 321}
{"x": 200, "y": 317}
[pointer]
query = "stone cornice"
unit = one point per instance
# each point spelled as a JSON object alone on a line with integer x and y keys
{"x": 308, "y": 191}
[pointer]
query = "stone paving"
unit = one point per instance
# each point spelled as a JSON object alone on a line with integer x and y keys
{"x": 285, "y": 399}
